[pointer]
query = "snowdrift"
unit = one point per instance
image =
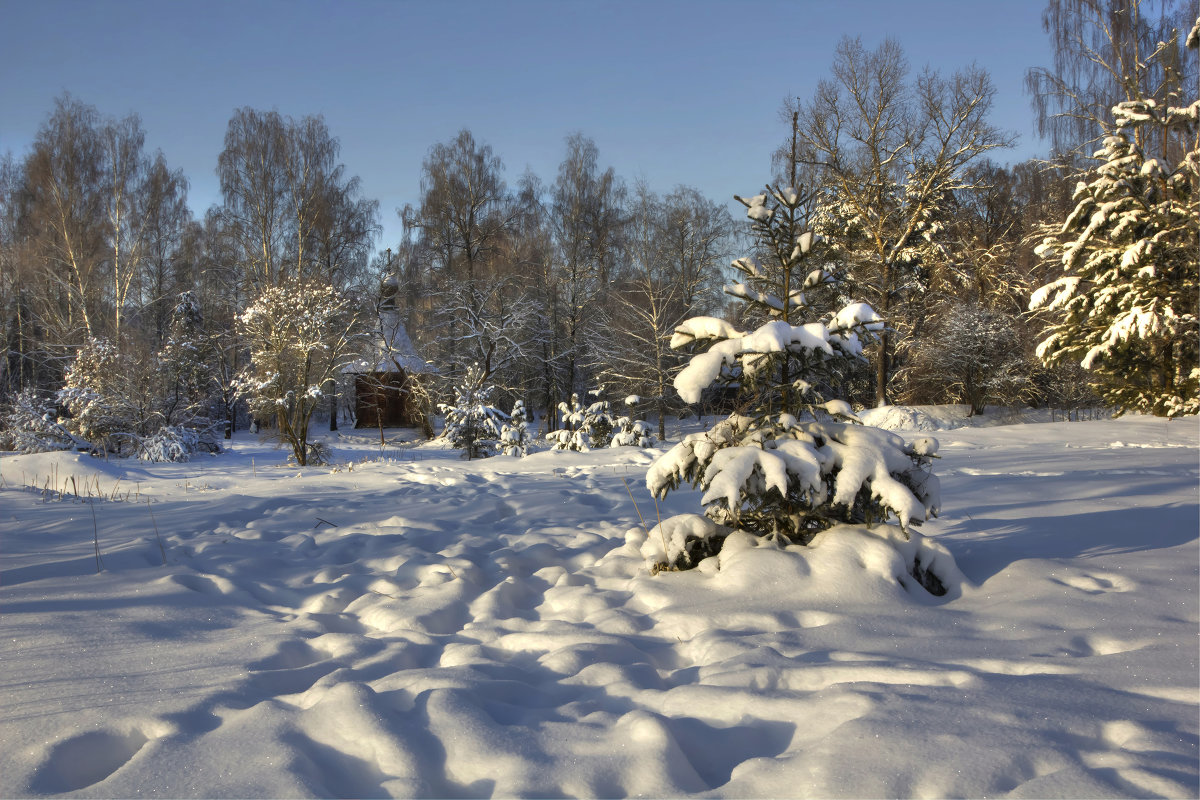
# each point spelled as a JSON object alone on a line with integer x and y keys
{"x": 950, "y": 417}
{"x": 409, "y": 624}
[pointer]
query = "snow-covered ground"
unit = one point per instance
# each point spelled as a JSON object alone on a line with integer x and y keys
{"x": 410, "y": 624}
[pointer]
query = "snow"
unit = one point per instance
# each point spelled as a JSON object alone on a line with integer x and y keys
{"x": 857, "y": 314}
{"x": 744, "y": 292}
{"x": 757, "y": 210}
{"x": 867, "y": 454}
{"x": 776, "y": 336}
{"x": 668, "y": 538}
{"x": 405, "y": 623}
{"x": 804, "y": 241}
{"x": 733, "y": 467}
{"x": 839, "y": 408}
{"x": 701, "y": 328}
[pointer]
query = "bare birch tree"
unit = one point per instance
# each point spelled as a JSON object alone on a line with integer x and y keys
{"x": 1106, "y": 52}
{"x": 889, "y": 154}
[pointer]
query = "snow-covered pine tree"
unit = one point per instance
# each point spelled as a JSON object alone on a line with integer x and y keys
{"x": 1126, "y": 303}
{"x": 97, "y": 398}
{"x": 184, "y": 374}
{"x": 584, "y": 427}
{"x": 472, "y": 423}
{"x": 514, "y": 438}
{"x": 793, "y": 460}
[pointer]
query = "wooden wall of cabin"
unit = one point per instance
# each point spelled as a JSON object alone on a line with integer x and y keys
{"x": 386, "y": 394}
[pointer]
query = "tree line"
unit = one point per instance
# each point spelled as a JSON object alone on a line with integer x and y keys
{"x": 545, "y": 289}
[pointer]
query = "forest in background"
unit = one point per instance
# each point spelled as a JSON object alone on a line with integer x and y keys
{"x": 124, "y": 316}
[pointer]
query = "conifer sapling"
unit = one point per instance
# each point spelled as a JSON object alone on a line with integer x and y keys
{"x": 472, "y": 423}
{"x": 793, "y": 460}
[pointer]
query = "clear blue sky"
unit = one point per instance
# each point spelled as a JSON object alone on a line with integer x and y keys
{"x": 673, "y": 92}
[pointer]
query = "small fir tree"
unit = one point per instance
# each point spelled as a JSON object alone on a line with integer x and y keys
{"x": 630, "y": 432}
{"x": 97, "y": 398}
{"x": 184, "y": 375}
{"x": 1126, "y": 303}
{"x": 472, "y": 423}
{"x": 584, "y": 428}
{"x": 514, "y": 438}
{"x": 793, "y": 460}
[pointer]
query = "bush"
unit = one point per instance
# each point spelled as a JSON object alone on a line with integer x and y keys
{"x": 176, "y": 443}
{"x": 170, "y": 444}
{"x": 32, "y": 426}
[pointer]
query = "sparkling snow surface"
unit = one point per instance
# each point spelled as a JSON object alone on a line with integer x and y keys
{"x": 423, "y": 626}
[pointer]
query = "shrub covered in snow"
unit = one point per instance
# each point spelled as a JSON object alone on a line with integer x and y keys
{"x": 472, "y": 423}
{"x": 178, "y": 443}
{"x": 584, "y": 427}
{"x": 32, "y": 426}
{"x": 795, "y": 461}
{"x": 171, "y": 443}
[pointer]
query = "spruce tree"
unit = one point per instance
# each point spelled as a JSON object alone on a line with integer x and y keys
{"x": 97, "y": 398}
{"x": 631, "y": 432}
{"x": 472, "y": 423}
{"x": 792, "y": 460}
{"x": 1125, "y": 306}
{"x": 514, "y": 437}
{"x": 186, "y": 384}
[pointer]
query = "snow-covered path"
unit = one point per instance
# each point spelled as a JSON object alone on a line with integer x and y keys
{"x": 421, "y": 626}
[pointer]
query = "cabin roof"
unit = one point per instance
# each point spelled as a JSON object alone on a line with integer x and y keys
{"x": 391, "y": 350}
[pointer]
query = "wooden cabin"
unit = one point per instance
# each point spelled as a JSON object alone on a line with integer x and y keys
{"x": 383, "y": 400}
{"x": 384, "y": 376}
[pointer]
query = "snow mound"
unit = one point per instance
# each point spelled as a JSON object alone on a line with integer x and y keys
{"x": 846, "y": 563}
{"x": 902, "y": 418}
{"x": 951, "y": 417}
